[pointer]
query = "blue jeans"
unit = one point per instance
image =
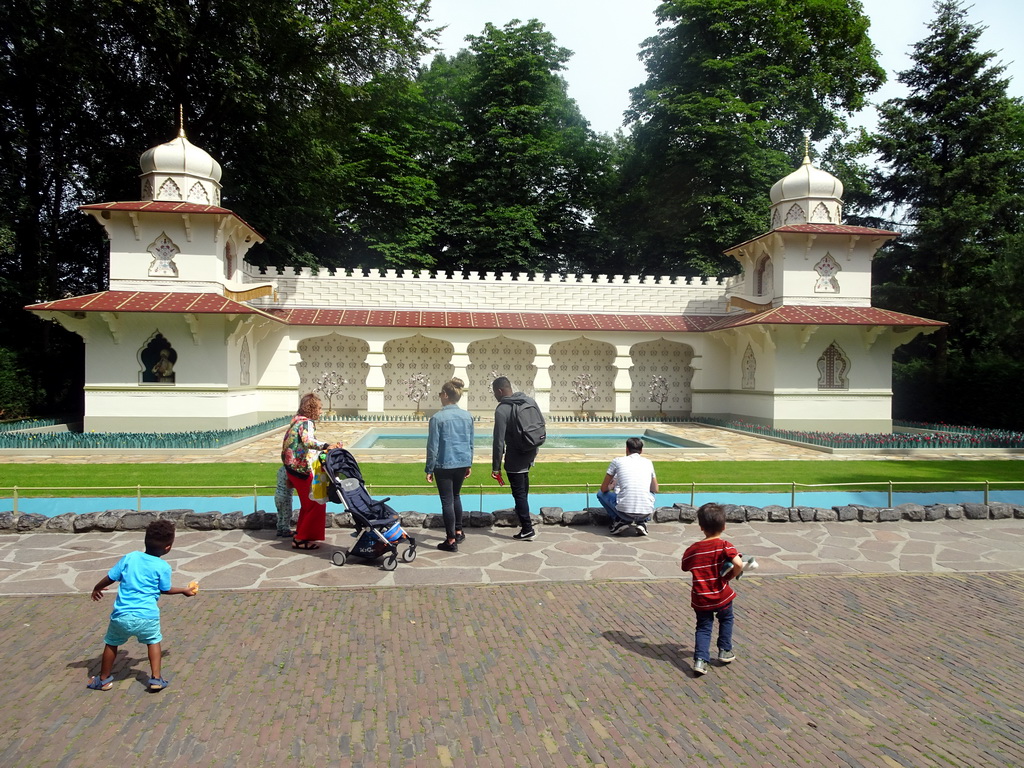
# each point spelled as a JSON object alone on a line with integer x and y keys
{"x": 449, "y": 486}
{"x": 705, "y": 623}
{"x": 519, "y": 484}
{"x": 608, "y": 500}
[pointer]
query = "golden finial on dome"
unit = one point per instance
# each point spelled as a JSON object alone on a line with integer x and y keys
{"x": 181, "y": 121}
{"x": 807, "y": 146}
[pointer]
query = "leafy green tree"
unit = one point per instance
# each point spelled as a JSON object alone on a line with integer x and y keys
{"x": 731, "y": 86}
{"x": 518, "y": 170}
{"x": 952, "y": 174}
{"x": 285, "y": 95}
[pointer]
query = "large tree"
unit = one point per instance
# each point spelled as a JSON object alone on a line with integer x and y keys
{"x": 952, "y": 177}
{"x": 285, "y": 95}
{"x": 517, "y": 167}
{"x": 731, "y": 86}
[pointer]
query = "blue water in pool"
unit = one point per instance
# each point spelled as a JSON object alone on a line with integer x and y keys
{"x": 430, "y": 504}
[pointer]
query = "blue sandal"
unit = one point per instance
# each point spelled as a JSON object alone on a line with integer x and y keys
{"x": 157, "y": 684}
{"x": 97, "y": 683}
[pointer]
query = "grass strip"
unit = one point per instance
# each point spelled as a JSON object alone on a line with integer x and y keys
{"x": 406, "y": 479}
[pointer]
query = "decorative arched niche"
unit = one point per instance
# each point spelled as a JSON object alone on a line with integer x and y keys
{"x": 833, "y": 367}
{"x": 764, "y": 277}
{"x": 157, "y": 359}
{"x": 749, "y": 369}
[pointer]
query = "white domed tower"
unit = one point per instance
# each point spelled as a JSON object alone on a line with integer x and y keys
{"x": 177, "y": 237}
{"x": 180, "y": 171}
{"x": 808, "y": 195}
{"x": 808, "y": 257}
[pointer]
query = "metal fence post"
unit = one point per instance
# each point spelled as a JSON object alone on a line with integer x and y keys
{"x": 792, "y": 494}
{"x": 986, "y": 491}
{"x": 890, "y": 494}
{"x": 15, "y": 499}
{"x": 138, "y": 498}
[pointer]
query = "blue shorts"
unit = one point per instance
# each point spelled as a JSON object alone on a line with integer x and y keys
{"x": 123, "y": 628}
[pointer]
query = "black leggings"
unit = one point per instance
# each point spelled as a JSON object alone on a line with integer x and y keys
{"x": 449, "y": 485}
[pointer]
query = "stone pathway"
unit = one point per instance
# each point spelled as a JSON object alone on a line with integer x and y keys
{"x": 56, "y": 563}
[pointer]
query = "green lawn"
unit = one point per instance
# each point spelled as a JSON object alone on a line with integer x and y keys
{"x": 209, "y": 479}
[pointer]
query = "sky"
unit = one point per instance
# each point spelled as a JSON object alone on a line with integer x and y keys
{"x": 605, "y": 36}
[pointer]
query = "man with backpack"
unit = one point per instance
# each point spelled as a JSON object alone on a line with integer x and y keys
{"x": 519, "y": 431}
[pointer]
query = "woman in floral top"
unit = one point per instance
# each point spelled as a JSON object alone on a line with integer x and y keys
{"x": 299, "y": 440}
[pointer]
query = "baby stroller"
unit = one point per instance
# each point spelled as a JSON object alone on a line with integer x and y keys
{"x": 378, "y": 526}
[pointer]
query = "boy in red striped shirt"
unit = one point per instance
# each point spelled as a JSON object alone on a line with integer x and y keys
{"x": 711, "y": 594}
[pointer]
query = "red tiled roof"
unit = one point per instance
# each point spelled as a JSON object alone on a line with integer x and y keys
{"x": 532, "y": 321}
{"x": 836, "y": 229}
{"x": 138, "y": 301}
{"x": 212, "y": 303}
{"x": 164, "y": 206}
{"x": 800, "y": 315}
{"x": 822, "y": 229}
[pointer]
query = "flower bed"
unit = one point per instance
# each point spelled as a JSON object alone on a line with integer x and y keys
{"x": 924, "y": 436}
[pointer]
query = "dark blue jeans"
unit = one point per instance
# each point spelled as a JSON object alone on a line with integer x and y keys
{"x": 608, "y": 500}
{"x": 705, "y": 623}
{"x": 519, "y": 484}
{"x": 449, "y": 486}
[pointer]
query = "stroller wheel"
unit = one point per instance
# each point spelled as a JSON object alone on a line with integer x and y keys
{"x": 339, "y": 557}
{"x": 390, "y": 562}
{"x": 408, "y": 554}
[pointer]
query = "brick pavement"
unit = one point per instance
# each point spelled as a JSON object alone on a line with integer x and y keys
{"x": 889, "y": 669}
{"x": 885, "y": 670}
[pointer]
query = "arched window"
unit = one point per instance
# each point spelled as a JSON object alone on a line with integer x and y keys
{"x": 229, "y": 261}
{"x": 158, "y": 358}
{"x": 763, "y": 277}
{"x": 795, "y": 215}
{"x": 833, "y": 365}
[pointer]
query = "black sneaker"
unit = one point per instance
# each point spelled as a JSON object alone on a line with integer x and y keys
{"x": 460, "y": 537}
{"x": 617, "y": 527}
{"x": 525, "y": 535}
{"x": 444, "y": 546}
{"x": 641, "y": 528}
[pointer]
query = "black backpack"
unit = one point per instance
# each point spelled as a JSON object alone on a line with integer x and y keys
{"x": 526, "y": 429}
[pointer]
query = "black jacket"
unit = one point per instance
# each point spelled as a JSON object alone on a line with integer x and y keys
{"x": 515, "y": 460}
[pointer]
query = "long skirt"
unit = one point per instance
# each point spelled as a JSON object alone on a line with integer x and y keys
{"x": 312, "y": 524}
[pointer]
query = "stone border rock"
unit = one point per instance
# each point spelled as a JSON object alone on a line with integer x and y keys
{"x": 187, "y": 519}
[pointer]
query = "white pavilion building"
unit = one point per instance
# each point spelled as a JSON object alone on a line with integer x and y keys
{"x": 189, "y": 336}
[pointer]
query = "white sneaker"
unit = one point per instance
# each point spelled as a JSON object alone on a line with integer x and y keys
{"x": 641, "y": 528}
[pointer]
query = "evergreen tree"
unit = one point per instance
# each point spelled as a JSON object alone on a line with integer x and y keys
{"x": 731, "y": 86}
{"x": 952, "y": 153}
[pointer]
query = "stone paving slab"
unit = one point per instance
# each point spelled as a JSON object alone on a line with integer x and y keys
{"x": 831, "y": 670}
{"x": 46, "y": 563}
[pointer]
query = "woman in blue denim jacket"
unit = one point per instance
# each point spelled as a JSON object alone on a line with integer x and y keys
{"x": 450, "y": 459}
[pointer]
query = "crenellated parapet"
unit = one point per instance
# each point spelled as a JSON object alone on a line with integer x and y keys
{"x": 515, "y": 291}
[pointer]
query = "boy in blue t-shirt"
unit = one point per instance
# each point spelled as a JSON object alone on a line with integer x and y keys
{"x": 143, "y": 577}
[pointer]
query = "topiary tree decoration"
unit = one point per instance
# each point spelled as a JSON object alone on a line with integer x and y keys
{"x": 330, "y": 384}
{"x": 658, "y": 393}
{"x": 583, "y": 389}
{"x": 418, "y": 387}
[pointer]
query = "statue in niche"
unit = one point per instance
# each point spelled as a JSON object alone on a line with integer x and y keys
{"x": 158, "y": 360}
{"x": 164, "y": 368}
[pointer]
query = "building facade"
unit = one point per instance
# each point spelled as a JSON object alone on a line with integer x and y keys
{"x": 189, "y": 336}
